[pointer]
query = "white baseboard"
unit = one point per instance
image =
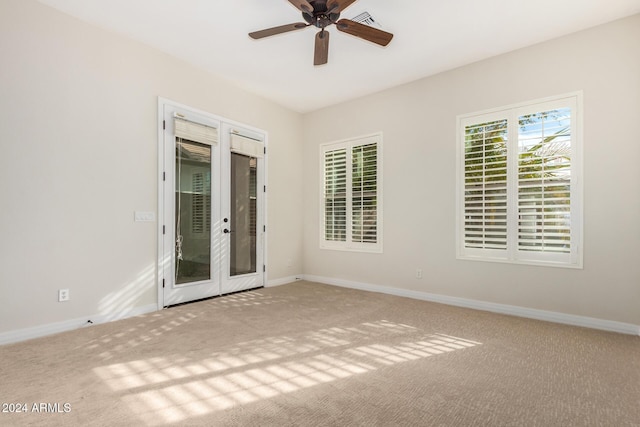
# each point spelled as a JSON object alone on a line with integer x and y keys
{"x": 550, "y": 316}
{"x": 68, "y": 325}
{"x": 283, "y": 281}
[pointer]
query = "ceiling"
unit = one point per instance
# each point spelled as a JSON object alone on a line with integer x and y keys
{"x": 430, "y": 37}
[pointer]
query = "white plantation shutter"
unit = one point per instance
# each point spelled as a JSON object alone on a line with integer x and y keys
{"x": 364, "y": 189}
{"x": 485, "y": 185}
{"x": 335, "y": 195}
{"x": 200, "y": 203}
{"x": 351, "y": 196}
{"x": 518, "y": 184}
{"x": 544, "y": 181}
{"x": 198, "y": 211}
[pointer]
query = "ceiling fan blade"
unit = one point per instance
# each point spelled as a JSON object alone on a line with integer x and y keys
{"x": 277, "y": 30}
{"x": 303, "y": 6}
{"x": 337, "y": 6}
{"x": 321, "y": 54}
{"x": 364, "y": 31}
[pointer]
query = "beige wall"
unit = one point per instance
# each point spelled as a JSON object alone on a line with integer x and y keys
{"x": 78, "y": 143}
{"x": 418, "y": 122}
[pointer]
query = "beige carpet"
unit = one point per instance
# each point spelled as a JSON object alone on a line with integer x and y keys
{"x": 307, "y": 354}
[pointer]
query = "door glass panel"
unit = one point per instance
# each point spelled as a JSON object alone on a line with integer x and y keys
{"x": 242, "y": 259}
{"x": 193, "y": 212}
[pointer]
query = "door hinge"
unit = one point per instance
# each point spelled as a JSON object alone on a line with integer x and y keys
{"x": 264, "y": 268}
{"x": 164, "y": 229}
{"x": 164, "y": 176}
{"x": 164, "y": 125}
{"x": 163, "y": 283}
{"x": 265, "y": 188}
{"x": 264, "y": 228}
{"x": 265, "y": 150}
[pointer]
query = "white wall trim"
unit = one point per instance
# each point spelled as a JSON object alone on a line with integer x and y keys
{"x": 549, "y": 316}
{"x": 531, "y": 313}
{"x": 69, "y": 325}
{"x": 283, "y": 281}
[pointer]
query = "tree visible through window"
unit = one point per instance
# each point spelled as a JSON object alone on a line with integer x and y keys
{"x": 544, "y": 181}
{"x": 485, "y": 177}
{"x": 335, "y": 191}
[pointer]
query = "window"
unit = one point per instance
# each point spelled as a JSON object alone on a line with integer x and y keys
{"x": 200, "y": 220}
{"x": 351, "y": 202}
{"x": 519, "y": 184}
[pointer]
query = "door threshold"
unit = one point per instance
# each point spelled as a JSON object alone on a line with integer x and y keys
{"x": 212, "y": 297}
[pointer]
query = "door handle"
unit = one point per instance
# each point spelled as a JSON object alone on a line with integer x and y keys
{"x": 226, "y": 231}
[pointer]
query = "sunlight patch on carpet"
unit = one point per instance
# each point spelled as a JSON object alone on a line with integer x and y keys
{"x": 171, "y": 389}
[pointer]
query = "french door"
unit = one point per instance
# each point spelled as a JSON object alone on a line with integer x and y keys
{"x": 212, "y": 207}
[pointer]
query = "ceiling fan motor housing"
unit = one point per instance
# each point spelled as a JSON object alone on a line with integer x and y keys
{"x": 320, "y": 17}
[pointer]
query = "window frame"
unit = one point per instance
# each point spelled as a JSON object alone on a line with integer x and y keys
{"x": 349, "y": 244}
{"x": 512, "y": 254}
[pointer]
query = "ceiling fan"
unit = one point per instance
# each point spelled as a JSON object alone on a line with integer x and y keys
{"x": 321, "y": 14}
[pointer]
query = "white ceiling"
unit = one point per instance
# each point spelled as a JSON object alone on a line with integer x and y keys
{"x": 431, "y": 36}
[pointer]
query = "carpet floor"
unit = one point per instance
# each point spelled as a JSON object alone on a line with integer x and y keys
{"x": 307, "y": 354}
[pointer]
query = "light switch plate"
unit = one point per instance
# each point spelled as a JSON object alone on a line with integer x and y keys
{"x": 144, "y": 216}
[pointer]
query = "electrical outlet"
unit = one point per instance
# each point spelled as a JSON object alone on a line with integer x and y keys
{"x": 63, "y": 295}
{"x": 418, "y": 273}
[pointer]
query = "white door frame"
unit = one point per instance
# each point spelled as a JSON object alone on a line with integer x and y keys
{"x": 165, "y": 255}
